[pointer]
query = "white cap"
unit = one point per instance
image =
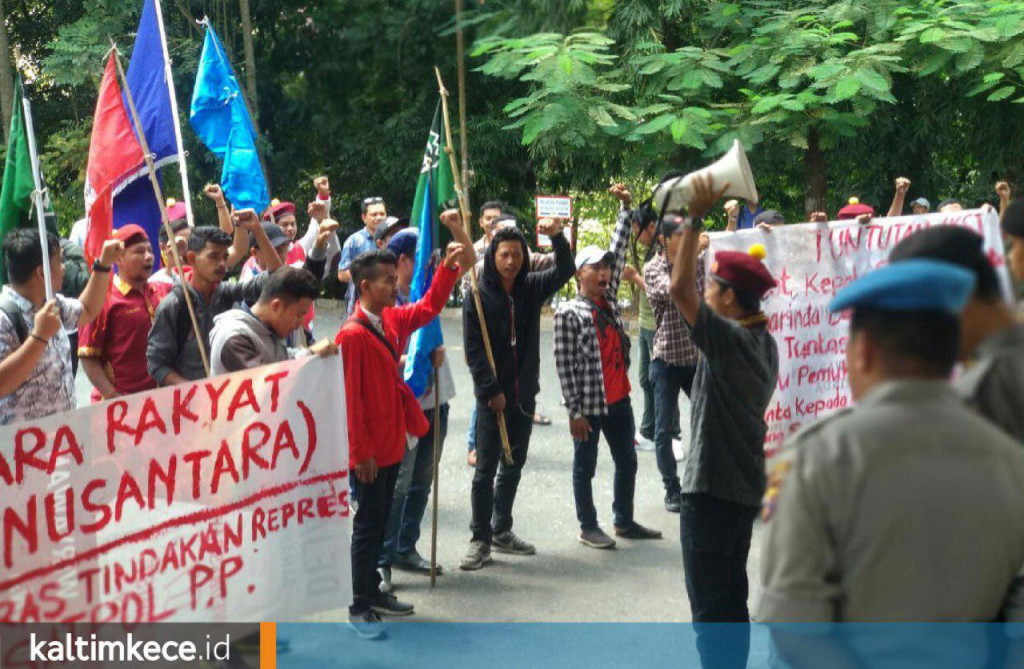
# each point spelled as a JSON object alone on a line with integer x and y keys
{"x": 591, "y": 255}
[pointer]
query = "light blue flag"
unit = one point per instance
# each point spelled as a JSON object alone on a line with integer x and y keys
{"x": 419, "y": 370}
{"x": 220, "y": 119}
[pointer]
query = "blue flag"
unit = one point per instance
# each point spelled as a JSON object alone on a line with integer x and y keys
{"x": 419, "y": 369}
{"x": 222, "y": 122}
{"x": 147, "y": 79}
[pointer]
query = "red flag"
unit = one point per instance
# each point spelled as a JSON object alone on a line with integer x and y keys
{"x": 114, "y": 154}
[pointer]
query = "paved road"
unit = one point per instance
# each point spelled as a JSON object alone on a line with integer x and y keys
{"x": 565, "y": 581}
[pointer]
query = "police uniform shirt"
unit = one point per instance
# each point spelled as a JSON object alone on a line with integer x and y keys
{"x": 994, "y": 384}
{"x": 907, "y": 507}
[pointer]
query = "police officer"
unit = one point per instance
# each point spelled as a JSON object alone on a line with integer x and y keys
{"x": 908, "y": 506}
{"x": 991, "y": 340}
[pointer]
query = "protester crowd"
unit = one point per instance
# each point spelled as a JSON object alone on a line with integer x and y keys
{"x": 847, "y": 538}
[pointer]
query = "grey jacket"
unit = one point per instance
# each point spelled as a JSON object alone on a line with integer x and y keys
{"x": 240, "y": 340}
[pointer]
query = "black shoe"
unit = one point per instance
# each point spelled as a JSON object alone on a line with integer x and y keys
{"x": 596, "y": 538}
{"x": 414, "y": 562}
{"x": 508, "y": 542}
{"x": 367, "y": 625}
{"x": 388, "y": 605}
{"x": 672, "y": 502}
{"x": 636, "y": 531}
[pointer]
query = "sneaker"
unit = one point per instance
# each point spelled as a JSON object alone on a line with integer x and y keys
{"x": 677, "y": 450}
{"x": 596, "y": 538}
{"x": 636, "y": 531}
{"x": 672, "y": 502}
{"x": 385, "y": 580}
{"x": 479, "y": 554}
{"x": 642, "y": 443}
{"x": 414, "y": 562}
{"x": 367, "y": 626}
{"x": 508, "y": 542}
{"x": 388, "y": 605}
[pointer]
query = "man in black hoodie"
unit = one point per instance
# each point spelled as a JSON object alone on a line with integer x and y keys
{"x": 512, "y": 297}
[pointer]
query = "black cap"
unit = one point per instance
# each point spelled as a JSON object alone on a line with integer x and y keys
{"x": 769, "y": 216}
{"x": 389, "y": 225}
{"x": 274, "y": 233}
{"x": 955, "y": 245}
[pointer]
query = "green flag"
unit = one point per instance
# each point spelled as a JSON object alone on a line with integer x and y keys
{"x": 16, "y": 195}
{"x": 437, "y": 163}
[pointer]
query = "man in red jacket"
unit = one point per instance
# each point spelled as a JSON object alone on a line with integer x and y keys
{"x": 381, "y": 408}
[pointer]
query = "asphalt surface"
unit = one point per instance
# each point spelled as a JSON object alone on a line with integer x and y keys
{"x": 638, "y": 581}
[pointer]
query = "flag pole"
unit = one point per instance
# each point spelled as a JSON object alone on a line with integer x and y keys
{"x": 182, "y": 167}
{"x": 151, "y": 168}
{"x": 464, "y": 206}
{"x": 460, "y": 54}
{"x": 37, "y": 194}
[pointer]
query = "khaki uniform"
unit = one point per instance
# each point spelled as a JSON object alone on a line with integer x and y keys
{"x": 994, "y": 384}
{"x": 907, "y": 507}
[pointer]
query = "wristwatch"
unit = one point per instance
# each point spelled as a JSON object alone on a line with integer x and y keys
{"x": 97, "y": 266}
{"x": 695, "y": 222}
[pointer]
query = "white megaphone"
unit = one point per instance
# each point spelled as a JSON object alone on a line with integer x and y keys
{"x": 673, "y": 195}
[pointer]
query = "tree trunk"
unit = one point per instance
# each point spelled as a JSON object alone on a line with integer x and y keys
{"x": 250, "y": 61}
{"x": 6, "y": 74}
{"x": 814, "y": 172}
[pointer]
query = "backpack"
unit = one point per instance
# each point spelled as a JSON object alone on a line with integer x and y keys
{"x": 13, "y": 312}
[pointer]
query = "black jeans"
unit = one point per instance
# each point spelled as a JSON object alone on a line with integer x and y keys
{"x": 668, "y": 380}
{"x": 715, "y": 537}
{"x": 412, "y": 492}
{"x": 368, "y": 527}
{"x": 619, "y": 430}
{"x": 495, "y": 482}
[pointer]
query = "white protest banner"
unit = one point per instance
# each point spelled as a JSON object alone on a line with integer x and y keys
{"x": 811, "y": 262}
{"x": 553, "y": 206}
{"x": 220, "y": 500}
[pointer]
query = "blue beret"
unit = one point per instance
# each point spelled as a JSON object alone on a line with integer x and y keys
{"x": 403, "y": 243}
{"x": 909, "y": 285}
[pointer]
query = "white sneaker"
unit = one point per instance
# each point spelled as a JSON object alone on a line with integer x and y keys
{"x": 642, "y": 443}
{"x": 678, "y": 450}
{"x": 385, "y": 580}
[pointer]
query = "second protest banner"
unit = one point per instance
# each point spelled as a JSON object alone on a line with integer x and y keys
{"x": 220, "y": 500}
{"x": 811, "y": 262}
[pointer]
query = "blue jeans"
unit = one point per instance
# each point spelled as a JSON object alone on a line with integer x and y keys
{"x": 412, "y": 493}
{"x": 618, "y": 428}
{"x": 668, "y": 380}
{"x": 647, "y": 419}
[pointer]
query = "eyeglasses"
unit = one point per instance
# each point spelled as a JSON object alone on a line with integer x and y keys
{"x": 373, "y": 200}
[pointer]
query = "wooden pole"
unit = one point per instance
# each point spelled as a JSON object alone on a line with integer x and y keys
{"x": 460, "y": 48}
{"x": 437, "y": 462}
{"x": 464, "y": 206}
{"x": 163, "y": 208}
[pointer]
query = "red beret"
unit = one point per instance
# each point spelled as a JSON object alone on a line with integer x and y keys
{"x": 131, "y": 234}
{"x": 742, "y": 271}
{"x": 851, "y": 211}
{"x": 280, "y": 209}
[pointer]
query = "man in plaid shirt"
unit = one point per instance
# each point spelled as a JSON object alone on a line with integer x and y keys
{"x": 592, "y": 356}
{"x": 674, "y": 358}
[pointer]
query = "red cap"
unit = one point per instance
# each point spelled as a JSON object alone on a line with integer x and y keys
{"x": 131, "y": 234}
{"x": 743, "y": 272}
{"x": 280, "y": 209}
{"x": 851, "y": 211}
{"x": 176, "y": 212}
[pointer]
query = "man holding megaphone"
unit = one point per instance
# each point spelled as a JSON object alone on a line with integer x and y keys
{"x": 724, "y": 478}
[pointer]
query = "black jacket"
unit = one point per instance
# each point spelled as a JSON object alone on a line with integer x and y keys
{"x": 519, "y": 365}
